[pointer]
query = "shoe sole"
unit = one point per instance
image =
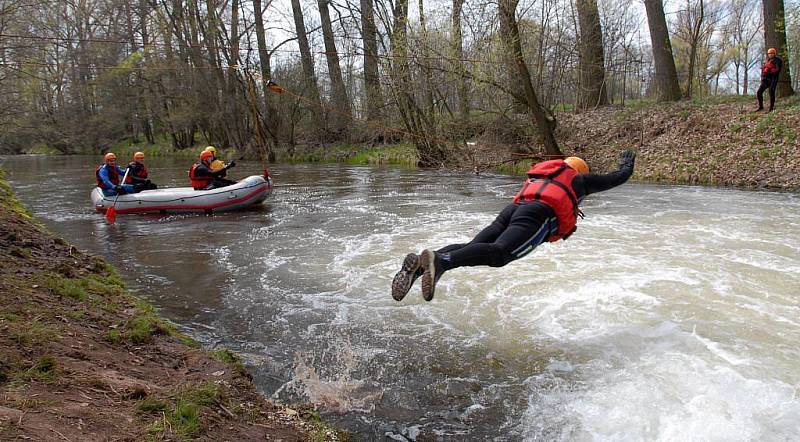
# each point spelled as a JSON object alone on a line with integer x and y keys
{"x": 428, "y": 263}
{"x": 404, "y": 279}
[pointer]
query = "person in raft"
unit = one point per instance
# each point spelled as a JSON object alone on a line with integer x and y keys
{"x": 203, "y": 178}
{"x": 545, "y": 209}
{"x": 109, "y": 177}
{"x": 216, "y": 164}
{"x": 137, "y": 174}
{"x": 769, "y": 79}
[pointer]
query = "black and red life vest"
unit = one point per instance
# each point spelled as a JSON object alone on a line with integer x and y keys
{"x": 551, "y": 183}
{"x": 138, "y": 170}
{"x": 199, "y": 182}
{"x": 113, "y": 176}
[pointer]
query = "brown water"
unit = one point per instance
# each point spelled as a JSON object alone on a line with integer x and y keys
{"x": 670, "y": 315}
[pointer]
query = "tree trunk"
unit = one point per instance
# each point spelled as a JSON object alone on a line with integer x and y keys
{"x": 371, "y": 78}
{"x": 311, "y": 89}
{"x": 426, "y": 60}
{"x": 147, "y": 118}
{"x": 272, "y": 118}
{"x": 429, "y": 149}
{"x": 694, "y": 40}
{"x": 341, "y": 102}
{"x": 745, "y": 77}
{"x": 775, "y": 37}
{"x": 458, "y": 62}
{"x": 666, "y": 77}
{"x": 592, "y": 89}
{"x": 511, "y": 41}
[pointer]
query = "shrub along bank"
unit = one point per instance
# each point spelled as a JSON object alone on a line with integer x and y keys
{"x": 719, "y": 141}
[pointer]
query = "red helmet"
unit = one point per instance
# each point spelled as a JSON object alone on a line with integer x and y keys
{"x": 206, "y": 155}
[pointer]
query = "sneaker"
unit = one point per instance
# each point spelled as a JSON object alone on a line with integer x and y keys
{"x": 430, "y": 274}
{"x": 405, "y": 278}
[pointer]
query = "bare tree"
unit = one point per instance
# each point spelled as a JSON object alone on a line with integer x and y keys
{"x": 265, "y": 66}
{"x": 343, "y": 116}
{"x": 458, "y": 59}
{"x": 509, "y": 33}
{"x": 775, "y": 37}
{"x": 744, "y": 22}
{"x": 694, "y": 15}
{"x": 666, "y": 77}
{"x": 310, "y": 87}
{"x": 372, "y": 83}
{"x": 592, "y": 85}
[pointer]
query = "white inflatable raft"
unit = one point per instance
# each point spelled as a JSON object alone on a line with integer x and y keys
{"x": 247, "y": 192}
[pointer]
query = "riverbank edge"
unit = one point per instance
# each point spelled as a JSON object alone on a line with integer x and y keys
{"x": 715, "y": 142}
{"x": 81, "y": 358}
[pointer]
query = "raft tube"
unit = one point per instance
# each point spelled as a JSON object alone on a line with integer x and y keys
{"x": 247, "y": 192}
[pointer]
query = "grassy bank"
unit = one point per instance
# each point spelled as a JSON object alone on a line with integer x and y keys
{"x": 83, "y": 359}
{"x": 397, "y": 154}
{"x": 720, "y": 142}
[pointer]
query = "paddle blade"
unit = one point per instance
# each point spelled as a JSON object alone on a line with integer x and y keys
{"x": 111, "y": 215}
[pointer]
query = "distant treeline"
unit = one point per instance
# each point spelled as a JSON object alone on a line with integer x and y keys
{"x": 82, "y": 75}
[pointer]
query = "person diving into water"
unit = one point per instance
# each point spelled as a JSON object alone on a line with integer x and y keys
{"x": 545, "y": 209}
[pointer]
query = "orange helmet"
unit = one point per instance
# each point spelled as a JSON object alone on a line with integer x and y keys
{"x": 771, "y": 51}
{"x": 206, "y": 155}
{"x": 110, "y": 156}
{"x": 138, "y": 156}
{"x": 578, "y": 164}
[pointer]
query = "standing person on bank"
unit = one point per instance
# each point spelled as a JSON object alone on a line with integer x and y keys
{"x": 545, "y": 209}
{"x": 137, "y": 175}
{"x": 769, "y": 79}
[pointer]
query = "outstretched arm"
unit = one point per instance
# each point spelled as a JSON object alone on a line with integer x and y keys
{"x": 590, "y": 183}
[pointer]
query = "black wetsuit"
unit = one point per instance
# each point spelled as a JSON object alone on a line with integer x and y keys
{"x": 520, "y": 228}
{"x": 769, "y": 80}
{"x": 139, "y": 182}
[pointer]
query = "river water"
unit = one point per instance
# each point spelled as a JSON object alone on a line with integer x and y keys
{"x": 672, "y": 314}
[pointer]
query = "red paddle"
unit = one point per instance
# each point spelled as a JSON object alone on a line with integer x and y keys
{"x": 111, "y": 213}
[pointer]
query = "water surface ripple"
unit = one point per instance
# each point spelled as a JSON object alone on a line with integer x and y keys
{"x": 672, "y": 314}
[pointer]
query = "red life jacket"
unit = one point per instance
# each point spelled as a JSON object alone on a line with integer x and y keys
{"x": 769, "y": 68}
{"x": 138, "y": 170}
{"x": 199, "y": 182}
{"x": 113, "y": 176}
{"x": 551, "y": 183}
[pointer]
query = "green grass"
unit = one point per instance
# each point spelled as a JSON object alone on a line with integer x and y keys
{"x": 41, "y": 149}
{"x": 31, "y": 333}
{"x": 163, "y": 148}
{"x": 319, "y": 429}
{"x": 225, "y": 355}
{"x": 399, "y": 154}
{"x": 10, "y": 202}
{"x": 107, "y": 293}
{"x": 151, "y": 405}
{"x": 101, "y": 290}
{"x": 44, "y": 370}
{"x": 183, "y": 410}
{"x": 142, "y": 328}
